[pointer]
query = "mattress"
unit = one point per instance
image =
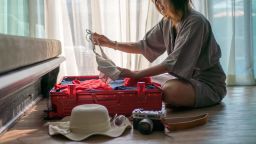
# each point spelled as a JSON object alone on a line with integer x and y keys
{"x": 18, "y": 51}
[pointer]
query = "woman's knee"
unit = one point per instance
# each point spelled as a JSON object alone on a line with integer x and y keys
{"x": 171, "y": 93}
{"x": 178, "y": 93}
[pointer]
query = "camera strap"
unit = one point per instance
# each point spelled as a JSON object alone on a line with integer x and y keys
{"x": 181, "y": 123}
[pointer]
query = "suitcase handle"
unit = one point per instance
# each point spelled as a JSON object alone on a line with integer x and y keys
{"x": 72, "y": 90}
{"x": 141, "y": 87}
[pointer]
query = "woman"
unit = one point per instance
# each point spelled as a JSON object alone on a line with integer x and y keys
{"x": 193, "y": 55}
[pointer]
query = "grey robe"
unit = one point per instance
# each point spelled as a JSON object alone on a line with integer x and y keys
{"x": 193, "y": 55}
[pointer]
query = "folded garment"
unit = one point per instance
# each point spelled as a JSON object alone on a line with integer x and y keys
{"x": 116, "y": 83}
{"x": 94, "y": 84}
{"x": 150, "y": 86}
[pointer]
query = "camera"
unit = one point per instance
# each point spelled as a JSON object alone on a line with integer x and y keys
{"x": 148, "y": 121}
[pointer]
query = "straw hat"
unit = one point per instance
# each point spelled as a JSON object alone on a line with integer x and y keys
{"x": 87, "y": 120}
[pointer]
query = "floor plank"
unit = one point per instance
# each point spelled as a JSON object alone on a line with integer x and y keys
{"x": 232, "y": 121}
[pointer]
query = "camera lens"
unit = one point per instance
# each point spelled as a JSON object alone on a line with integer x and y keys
{"x": 145, "y": 126}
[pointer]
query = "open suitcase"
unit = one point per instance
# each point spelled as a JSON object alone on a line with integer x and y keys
{"x": 123, "y": 102}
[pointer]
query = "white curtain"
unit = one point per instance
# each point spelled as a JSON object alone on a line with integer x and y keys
{"x": 120, "y": 20}
{"x": 22, "y": 17}
{"x": 234, "y": 26}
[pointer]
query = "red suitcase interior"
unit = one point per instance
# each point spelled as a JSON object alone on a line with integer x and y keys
{"x": 116, "y": 101}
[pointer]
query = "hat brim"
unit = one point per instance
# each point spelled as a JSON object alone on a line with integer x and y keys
{"x": 63, "y": 129}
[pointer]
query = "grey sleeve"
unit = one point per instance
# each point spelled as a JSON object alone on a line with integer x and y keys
{"x": 188, "y": 45}
{"x": 152, "y": 46}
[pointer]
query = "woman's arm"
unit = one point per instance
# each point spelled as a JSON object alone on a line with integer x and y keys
{"x": 125, "y": 47}
{"x": 151, "y": 71}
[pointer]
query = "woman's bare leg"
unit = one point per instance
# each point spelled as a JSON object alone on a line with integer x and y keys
{"x": 178, "y": 93}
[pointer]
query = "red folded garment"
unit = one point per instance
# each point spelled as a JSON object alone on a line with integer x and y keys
{"x": 133, "y": 82}
{"x": 94, "y": 84}
{"x": 59, "y": 86}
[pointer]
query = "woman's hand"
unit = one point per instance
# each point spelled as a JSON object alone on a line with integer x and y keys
{"x": 152, "y": 71}
{"x": 126, "y": 73}
{"x": 102, "y": 40}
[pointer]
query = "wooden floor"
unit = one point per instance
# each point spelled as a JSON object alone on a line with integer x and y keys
{"x": 233, "y": 121}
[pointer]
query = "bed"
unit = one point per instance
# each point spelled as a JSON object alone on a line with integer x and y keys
{"x": 28, "y": 69}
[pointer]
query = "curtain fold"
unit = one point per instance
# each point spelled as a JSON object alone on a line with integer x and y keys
{"x": 22, "y": 17}
{"x": 232, "y": 23}
{"x": 254, "y": 34}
